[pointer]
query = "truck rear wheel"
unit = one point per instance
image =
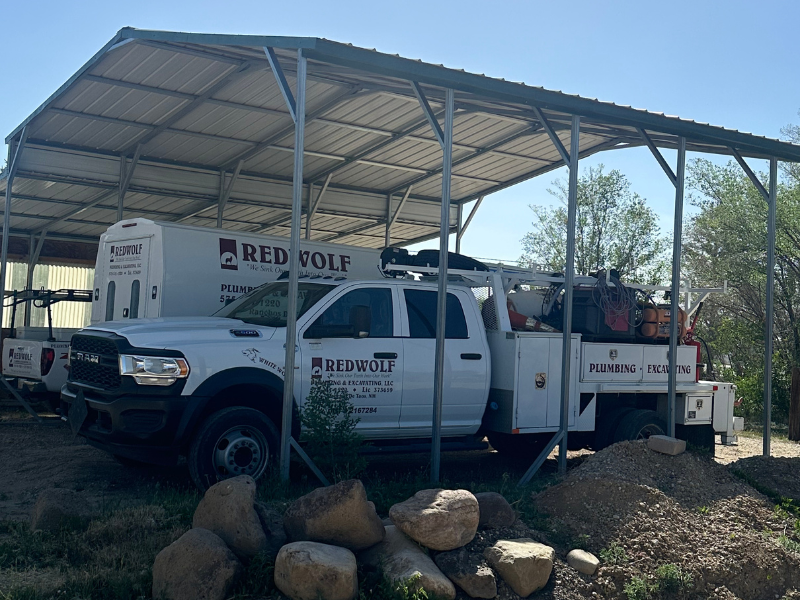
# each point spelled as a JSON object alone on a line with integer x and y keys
{"x": 234, "y": 441}
{"x": 639, "y": 425}
{"x": 606, "y": 426}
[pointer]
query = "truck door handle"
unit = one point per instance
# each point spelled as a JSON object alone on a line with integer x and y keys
{"x": 389, "y": 355}
{"x": 471, "y": 356}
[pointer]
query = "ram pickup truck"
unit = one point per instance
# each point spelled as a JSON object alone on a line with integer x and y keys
{"x": 210, "y": 389}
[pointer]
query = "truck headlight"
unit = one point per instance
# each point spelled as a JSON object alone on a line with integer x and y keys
{"x": 153, "y": 370}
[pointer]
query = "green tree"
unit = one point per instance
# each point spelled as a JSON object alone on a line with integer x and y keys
{"x": 727, "y": 240}
{"x": 614, "y": 229}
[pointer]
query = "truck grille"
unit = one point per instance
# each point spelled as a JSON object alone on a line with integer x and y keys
{"x": 94, "y": 361}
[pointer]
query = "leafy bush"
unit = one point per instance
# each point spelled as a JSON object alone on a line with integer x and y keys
{"x": 639, "y": 588}
{"x": 330, "y": 436}
{"x": 614, "y": 555}
{"x": 672, "y": 578}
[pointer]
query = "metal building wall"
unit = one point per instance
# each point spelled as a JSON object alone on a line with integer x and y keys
{"x": 52, "y": 277}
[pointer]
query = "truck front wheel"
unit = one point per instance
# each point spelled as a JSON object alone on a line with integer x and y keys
{"x": 234, "y": 441}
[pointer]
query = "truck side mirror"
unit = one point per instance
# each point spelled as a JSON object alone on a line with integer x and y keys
{"x": 361, "y": 321}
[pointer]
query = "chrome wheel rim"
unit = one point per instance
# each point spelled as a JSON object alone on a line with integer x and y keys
{"x": 240, "y": 451}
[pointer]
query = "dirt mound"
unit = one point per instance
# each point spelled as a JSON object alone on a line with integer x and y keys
{"x": 777, "y": 474}
{"x": 685, "y": 514}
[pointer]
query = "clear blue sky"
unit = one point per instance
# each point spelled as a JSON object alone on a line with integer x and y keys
{"x": 727, "y": 62}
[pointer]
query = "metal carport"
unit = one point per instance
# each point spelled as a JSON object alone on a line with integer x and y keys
{"x": 205, "y": 129}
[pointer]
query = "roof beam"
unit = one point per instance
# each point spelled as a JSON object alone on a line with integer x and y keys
{"x": 658, "y": 156}
{"x": 471, "y": 215}
{"x": 400, "y": 206}
{"x": 286, "y": 91}
{"x": 753, "y": 177}
{"x": 193, "y": 104}
{"x": 478, "y": 152}
{"x": 225, "y": 192}
{"x": 553, "y": 137}
{"x": 160, "y": 162}
{"x": 261, "y": 146}
{"x": 433, "y": 121}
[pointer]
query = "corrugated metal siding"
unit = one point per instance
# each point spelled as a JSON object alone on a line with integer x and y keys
{"x": 52, "y": 277}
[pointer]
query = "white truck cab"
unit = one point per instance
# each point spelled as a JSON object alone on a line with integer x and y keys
{"x": 211, "y": 388}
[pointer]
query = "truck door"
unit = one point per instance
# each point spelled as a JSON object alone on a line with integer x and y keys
{"x": 123, "y": 293}
{"x": 465, "y": 373}
{"x": 369, "y": 367}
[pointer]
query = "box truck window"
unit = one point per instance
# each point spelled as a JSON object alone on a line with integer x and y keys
{"x": 422, "y": 315}
{"x": 112, "y": 288}
{"x": 267, "y": 304}
{"x": 134, "y": 313}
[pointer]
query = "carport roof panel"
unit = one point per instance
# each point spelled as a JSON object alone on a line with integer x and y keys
{"x": 199, "y": 103}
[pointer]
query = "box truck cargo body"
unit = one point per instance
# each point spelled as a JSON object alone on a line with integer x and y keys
{"x": 154, "y": 269}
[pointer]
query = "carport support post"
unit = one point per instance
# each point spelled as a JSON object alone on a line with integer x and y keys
{"x": 674, "y": 309}
{"x": 441, "y": 301}
{"x": 772, "y": 209}
{"x": 294, "y": 265}
{"x": 13, "y": 163}
{"x": 569, "y": 274}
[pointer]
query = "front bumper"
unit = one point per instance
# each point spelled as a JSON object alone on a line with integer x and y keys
{"x": 141, "y": 427}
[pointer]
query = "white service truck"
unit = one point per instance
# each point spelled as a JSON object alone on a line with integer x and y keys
{"x": 148, "y": 269}
{"x": 210, "y": 388}
{"x": 35, "y": 358}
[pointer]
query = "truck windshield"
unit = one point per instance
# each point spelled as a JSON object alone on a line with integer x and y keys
{"x": 268, "y": 304}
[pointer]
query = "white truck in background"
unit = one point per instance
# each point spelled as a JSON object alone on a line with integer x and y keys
{"x": 149, "y": 269}
{"x": 210, "y": 388}
{"x": 35, "y": 358}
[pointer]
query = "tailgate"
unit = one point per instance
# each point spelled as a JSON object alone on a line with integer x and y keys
{"x": 22, "y": 358}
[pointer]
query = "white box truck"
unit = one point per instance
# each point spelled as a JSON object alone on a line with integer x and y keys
{"x": 210, "y": 388}
{"x": 149, "y": 269}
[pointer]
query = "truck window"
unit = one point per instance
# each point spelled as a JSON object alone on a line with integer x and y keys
{"x": 112, "y": 288}
{"x": 267, "y": 305}
{"x": 421, "y": 307}
{"x": 134, "y": 312}
{"x": 379, "y": 301}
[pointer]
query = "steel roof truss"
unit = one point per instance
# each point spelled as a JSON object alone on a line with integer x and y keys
{"x": 553, "y": 137}
{"x": 225, "y": 192}
{"x": 753, "y": 177}
{"x": 125, "y": 175}
{"x": 658, "y": 156}
{"x": 286, "y": 91}
{"x": 429, "y": 114}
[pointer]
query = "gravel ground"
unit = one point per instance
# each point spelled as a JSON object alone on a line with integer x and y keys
{"x": 687, "y": 511}
{"x": 753, "y": 446}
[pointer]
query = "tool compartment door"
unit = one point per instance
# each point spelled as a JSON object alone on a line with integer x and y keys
{"x": 539, "y": 381}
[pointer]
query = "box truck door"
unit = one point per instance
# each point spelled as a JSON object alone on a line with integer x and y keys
{"x": 124, "y": 293}
{"x": 370, "y": 368}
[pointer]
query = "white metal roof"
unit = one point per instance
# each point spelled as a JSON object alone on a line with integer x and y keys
{"x": 200, "y": 103}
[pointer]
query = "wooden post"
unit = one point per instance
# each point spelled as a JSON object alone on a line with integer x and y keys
{"x": 794, "y": 406}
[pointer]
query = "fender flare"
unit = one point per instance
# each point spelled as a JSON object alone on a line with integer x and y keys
{"x": 223, "y": 380}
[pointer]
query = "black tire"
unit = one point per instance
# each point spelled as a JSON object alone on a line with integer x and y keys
{"x": 233, "y": 441}
{"x": 606, "y": 426}
{"x": 523, "y": 446}
{"x": 639, "y": 425}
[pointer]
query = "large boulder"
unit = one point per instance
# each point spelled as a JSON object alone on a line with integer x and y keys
{"x": 523, "y": 564}
{"x": 582, "y": 561}
{"x": 313, "y": 571}
{"x": 402, "y": 560}
{"x": 495, "y": 511}
{"x": 469, "y": 572}
{"x": 438, "y": 519}
{"x": 228, "y": 509}
{"x": 197, "y": 566}
{"x": 56, "y": 508}
{"x": 339, "y": 514}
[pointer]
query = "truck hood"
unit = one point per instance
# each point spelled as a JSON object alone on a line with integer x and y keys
{"x": 174, "y": 332}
